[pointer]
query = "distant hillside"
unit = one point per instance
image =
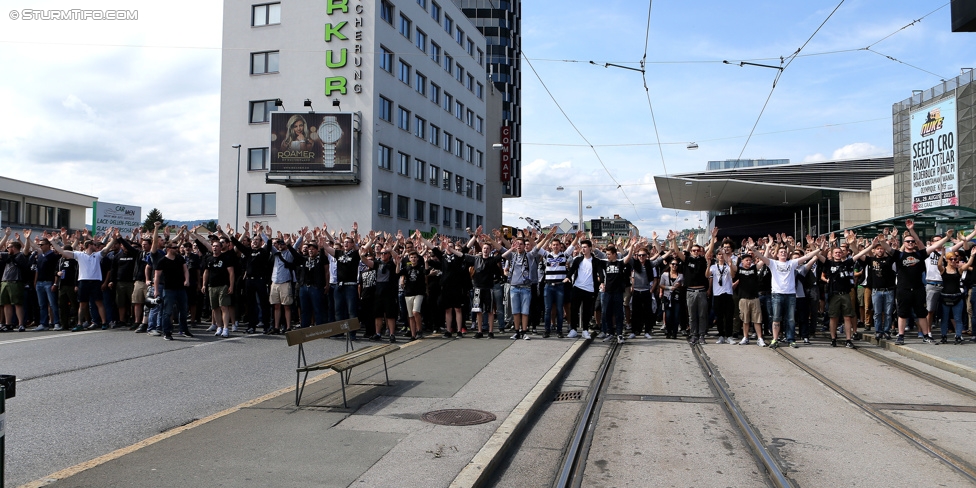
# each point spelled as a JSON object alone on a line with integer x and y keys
{"x": 189, "y": 223}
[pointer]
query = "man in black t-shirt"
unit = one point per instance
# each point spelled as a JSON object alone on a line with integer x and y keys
{"x": 879, "y": 267}
{"x": 747, "y": 284}
{"x": 616, "y": 274}
{"x": 171, "y": 279}
{"x": 910, "y": 290}
{"x": 218, "y": 287}
{"x": 838, "y": 274}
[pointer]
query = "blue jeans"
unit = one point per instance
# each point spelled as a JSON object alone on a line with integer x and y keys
{"x": 612, "y": 303}
{"x": 498, "y": 300}
{"x": 45, "y": 297}
{"x": 553, "y": 299}
{"x": 521, "y": 299}
{"x": 346, "y": 301}
{"x": 672, "y": 314}
{"x": 883, "y": 302}
{"x": 174, "y": 302}
{"x": 956, "y": 312}
{"x": 765, "y": 303}
{"x": 784, "y": 306}
{"x": 311, "y": 299}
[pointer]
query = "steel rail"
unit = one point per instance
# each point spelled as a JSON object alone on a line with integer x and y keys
{"x": 773, "y": 471}
{"x": 962, "y": 467}
{"x": 571, "y": 474}
{"x": 919, "y": 373}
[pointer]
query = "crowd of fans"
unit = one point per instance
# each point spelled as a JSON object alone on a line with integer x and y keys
{"x": 535, "y": 283}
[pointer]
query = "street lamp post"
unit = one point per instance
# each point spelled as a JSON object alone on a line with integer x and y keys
{"x": 237, "y": 194}
{"x": 580, "y": 215}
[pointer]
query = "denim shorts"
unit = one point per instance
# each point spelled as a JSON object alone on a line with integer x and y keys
{"x": 521, "y": 299}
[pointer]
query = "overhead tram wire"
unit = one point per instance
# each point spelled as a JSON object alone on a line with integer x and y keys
{"x": 650, "y": 106}
{"x": 784, "y": 63}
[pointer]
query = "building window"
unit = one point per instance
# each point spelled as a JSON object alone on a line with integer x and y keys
{"x": 479, "y": 91}
{"x": 403, "y": 118}
{"x": 479, "y": 159}
{"x": 469, "y": 189}
{"x": 448, "y": 141}
{"x": 405, "y": 26}
{"x": 458, "y": 72}
{"x": 435, "y": 52}
{"x": 420, "y": 84}
{"x": 479, "y": 125}
{"x": 10, "y": 210}
{"x": 435, "y": 93}
{"x": 39, "y": 215}
{"x": 479, "y": 193}
{"x": 384, "y": 157}
{"x": 434, "y": 213}
{"x": 458, "y": 184}
{"x": 386, "y": 13}
{"x": 469, "y": 83}
{"x": 421, "y": 40}
{"x": 263, "y": 63}
{"x": 446, "y": 179}
{"x": 448, "y": 102}
{"x": 481, "y": 58}
{"x": 403, "y": 207}
{"x": 386, "y": 60}
{"x": 469, "y": 153}
{"x": 404, "y": 73}
{"x": 422, "y": 3}
{"x": 419, "y": 127}
{"x": 404, "y": 168}
{"x": 435, "y": 13}
{"x": 447, "y": 217}
{"x": 383, "y": 207}
{"x": 419, "y": 210}
{"x": 64, "y": 218}
{"x": 386, "y": 110}
{"x": 419, "y": 169}
{"x": 458, "y": 216}
{"x": 266, "y": 14}
{"x": 435, "y": 175}
{"x": 434, "y": 136}
{"x": 458, "y": 147}
{"x": 448, "y": 24}
{"x": 469, "y": 118}
{"x": 261, "y": 111}
{"x": 459, "y": 36}
{"x": 257, "y": 158}
{"x": 260, "y": 203}
{"x": 479, "y": 220}
{"x": 469, "y": 220}
{"x": 448, "y": 62}
{"x": 458, "y": 110}
{"x": 469, "y": 47}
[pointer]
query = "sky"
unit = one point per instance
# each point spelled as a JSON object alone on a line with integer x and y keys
{"x": 128, "y": 110}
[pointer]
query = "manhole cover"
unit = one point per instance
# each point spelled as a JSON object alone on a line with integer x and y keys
{"x": 456, "y": 417}
{"x": 564, "y": 396}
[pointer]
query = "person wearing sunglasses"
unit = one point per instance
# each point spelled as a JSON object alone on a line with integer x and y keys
{"x": 951, "y": 268}
{"x": 910, "y": 288}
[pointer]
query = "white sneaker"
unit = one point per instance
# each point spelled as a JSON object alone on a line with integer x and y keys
{"x": 526, "y": 337}
{"x": 744, "y": 341}
{"x": 603, "y": 335}
{"x": 233, "y": 328}
{"x": 631, "y": 336}
{"x": 572, "y": 334}
{"x": 225, "y": 333}
{"x": 721, "y": 340}
{"x": 760, "y": 342}
{"x": 40, "y": 328}
{"x": 212, "y": 328}
{"x": 647, "y": 335}
{"x": 586, "y": 335}
{"x": 58, "y": 327}
{"x": 220, "y": 330}
{"x": 515, "y": 337}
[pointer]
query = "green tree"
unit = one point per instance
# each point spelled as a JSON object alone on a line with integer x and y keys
{"x": 211, "y": 225}
{"x": 152, "y": 217}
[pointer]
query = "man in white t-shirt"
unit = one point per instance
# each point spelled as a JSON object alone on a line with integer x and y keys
{"x": 89, "y": 275}
{"x": 783, "y": 294}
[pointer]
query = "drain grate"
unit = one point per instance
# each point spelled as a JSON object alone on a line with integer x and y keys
{"x": 565, "y": 396}
{"x": 458, "y": 417}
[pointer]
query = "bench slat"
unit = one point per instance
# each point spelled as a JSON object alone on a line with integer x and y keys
{"x": 351, "y": 359}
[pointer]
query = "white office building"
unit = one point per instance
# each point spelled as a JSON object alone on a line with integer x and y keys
{"x": 373, "y": 112}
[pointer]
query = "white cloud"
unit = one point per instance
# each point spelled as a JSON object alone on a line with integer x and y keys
{"x": 860, "y": 150}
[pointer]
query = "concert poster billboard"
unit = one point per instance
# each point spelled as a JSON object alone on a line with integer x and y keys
{"x": 934, "y": 161}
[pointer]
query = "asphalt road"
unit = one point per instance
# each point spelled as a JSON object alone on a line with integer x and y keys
{"x": 81, "y": 395}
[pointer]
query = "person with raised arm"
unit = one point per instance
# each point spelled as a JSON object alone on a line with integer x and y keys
{"x": 910, "y": 292}
{"x": 694, "y": 261}
{"x": 16, "y": 271}
{"x": 783, "y": 297}
{"x": 89, "y": 275}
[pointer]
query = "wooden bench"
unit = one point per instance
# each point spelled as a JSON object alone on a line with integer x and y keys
{"x": 341, "y": 364}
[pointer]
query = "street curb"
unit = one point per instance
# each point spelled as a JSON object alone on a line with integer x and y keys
{"x": 934, "y": 361}
{"x": 483, "y": 464}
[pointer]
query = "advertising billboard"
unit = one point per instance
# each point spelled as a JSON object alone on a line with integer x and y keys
{"x": 126, "y": 218}
{"x": 935, "y": 170}
{"x": 311, "y": 143}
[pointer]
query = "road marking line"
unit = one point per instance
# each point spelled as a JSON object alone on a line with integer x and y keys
{"x": 78, "y": 468}
{"x": 56, "y": 336}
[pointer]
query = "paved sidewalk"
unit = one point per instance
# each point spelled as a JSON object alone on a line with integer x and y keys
{"x": 959, "y": 359}
{"x": 379, "y": 441}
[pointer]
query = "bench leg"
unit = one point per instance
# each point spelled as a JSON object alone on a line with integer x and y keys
{"x": 343, "y": 383}
{"x": 386, "y": 372}
{"x": 301, "y": 388}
